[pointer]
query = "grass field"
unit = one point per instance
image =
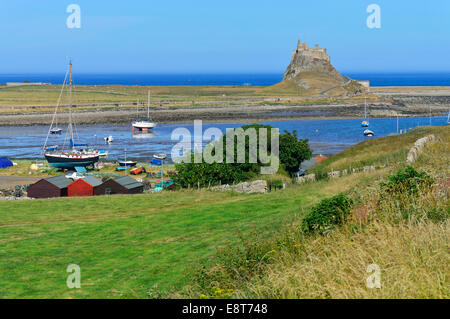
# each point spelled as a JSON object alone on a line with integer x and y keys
{"x": 31, "y": 99}
{"x": 127, "y": 244}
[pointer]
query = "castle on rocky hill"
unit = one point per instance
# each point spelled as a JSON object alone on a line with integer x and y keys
{"x": 310, "y": 59}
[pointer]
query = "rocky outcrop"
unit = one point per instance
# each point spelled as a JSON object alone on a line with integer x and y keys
{"x": 310, "y": 59}
{"x": 258, "y": 186}
{"x": 414, "y": 152}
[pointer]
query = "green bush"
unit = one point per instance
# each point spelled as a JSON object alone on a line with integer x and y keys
{"x": 408, "y": 180}
{"x": 292, "y": 151}
{"x": 327, "y": 214}
{"x": 409, "y": 195}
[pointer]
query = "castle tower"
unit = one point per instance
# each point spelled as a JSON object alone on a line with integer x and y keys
{"x": 306, "y": 59}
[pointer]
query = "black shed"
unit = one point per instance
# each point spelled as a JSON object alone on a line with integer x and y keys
{"x": 55, "y": 186}
{"x": 119, "y": 185}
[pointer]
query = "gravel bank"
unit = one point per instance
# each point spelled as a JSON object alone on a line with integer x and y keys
{"x": 405, "y": 106}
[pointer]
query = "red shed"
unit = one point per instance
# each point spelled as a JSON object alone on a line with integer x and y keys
{"x": 55, "y": 186}
{"x": 83, "y": 186}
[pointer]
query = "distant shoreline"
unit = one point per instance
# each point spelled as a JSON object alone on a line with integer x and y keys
{"x": 244, "y": 113}
{"x": 382, "y": 79}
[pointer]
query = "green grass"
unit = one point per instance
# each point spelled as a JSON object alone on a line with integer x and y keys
{"x": 126, "y": 244}
{"x": 389, "y": 150}
{"x": 404, "y": 233}
{"x": 35, "y": 99}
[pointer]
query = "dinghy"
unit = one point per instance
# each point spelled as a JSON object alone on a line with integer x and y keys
{"x": 368, "y": 133}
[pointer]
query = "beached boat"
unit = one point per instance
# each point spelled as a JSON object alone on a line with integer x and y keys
{"x": 138, "y": 170}
{"x": 160, "y": 156}
{"x": 72, "y": 157}
{"x": 127, "y": 163}
{"x": 143, "y": 124}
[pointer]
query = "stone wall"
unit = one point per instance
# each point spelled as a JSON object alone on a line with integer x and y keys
{"x": 258, "y": 186}
{"x": 414, "y": 152}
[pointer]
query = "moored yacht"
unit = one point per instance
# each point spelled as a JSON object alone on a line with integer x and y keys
{"x": 144, "y": 124}
{"x": 72, "y": 157}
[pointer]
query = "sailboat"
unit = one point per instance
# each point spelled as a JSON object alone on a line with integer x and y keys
{"x": 365, "y": 123}
{"x": 144, "y": 124}
{"x": 126, "y": 164}
{"x": 72, "y": 157}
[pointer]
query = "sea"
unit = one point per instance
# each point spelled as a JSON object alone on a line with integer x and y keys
{"x": 241, "y": 79}
{"x": 325, "y": 136}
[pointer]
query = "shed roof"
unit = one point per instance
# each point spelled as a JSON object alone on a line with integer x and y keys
{"x": 128, "y": 182}
{"x": 59, "y": 181}
{"x": 92, "y": 180}
{"x": 307, "y": 164}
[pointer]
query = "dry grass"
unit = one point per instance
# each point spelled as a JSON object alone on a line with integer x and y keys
{"x": 413, "y": 259}
{"x": 307, "y": 83}
{"x": 406, "y": 234}
{"x": 389, "y": 150}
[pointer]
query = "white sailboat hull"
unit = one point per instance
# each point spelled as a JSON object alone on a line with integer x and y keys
{"x": 143, "y": 125}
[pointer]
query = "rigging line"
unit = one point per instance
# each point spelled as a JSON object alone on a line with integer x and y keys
{"x": 56, "y": 110}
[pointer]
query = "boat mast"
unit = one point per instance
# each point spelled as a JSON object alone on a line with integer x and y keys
{"x": 148, "y": 105}
{"x": 365, "y": 107}
{"x": 70, "y": 104}
{"x": 137, "y": 110}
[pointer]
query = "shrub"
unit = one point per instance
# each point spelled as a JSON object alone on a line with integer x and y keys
{"x": 321, "y": 174}
{"x": 408, "y": 180}
{"x": 409, "y": 194}
{"x": 292, "y": 151}
{"x": 327, "y": 214}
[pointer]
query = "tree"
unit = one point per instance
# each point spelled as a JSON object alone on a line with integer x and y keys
{"x": 293, "y": 151}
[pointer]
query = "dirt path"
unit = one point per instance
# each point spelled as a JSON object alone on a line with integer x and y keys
{"x": 11, "y": 181}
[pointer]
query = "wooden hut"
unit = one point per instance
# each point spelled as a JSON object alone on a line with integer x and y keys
{"x": 119, "y": 185}
{"x": 83, "y": 186}
{"x": 55, "y": 186}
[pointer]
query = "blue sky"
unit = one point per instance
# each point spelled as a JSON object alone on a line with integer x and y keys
{"x": 253, "y": 36}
